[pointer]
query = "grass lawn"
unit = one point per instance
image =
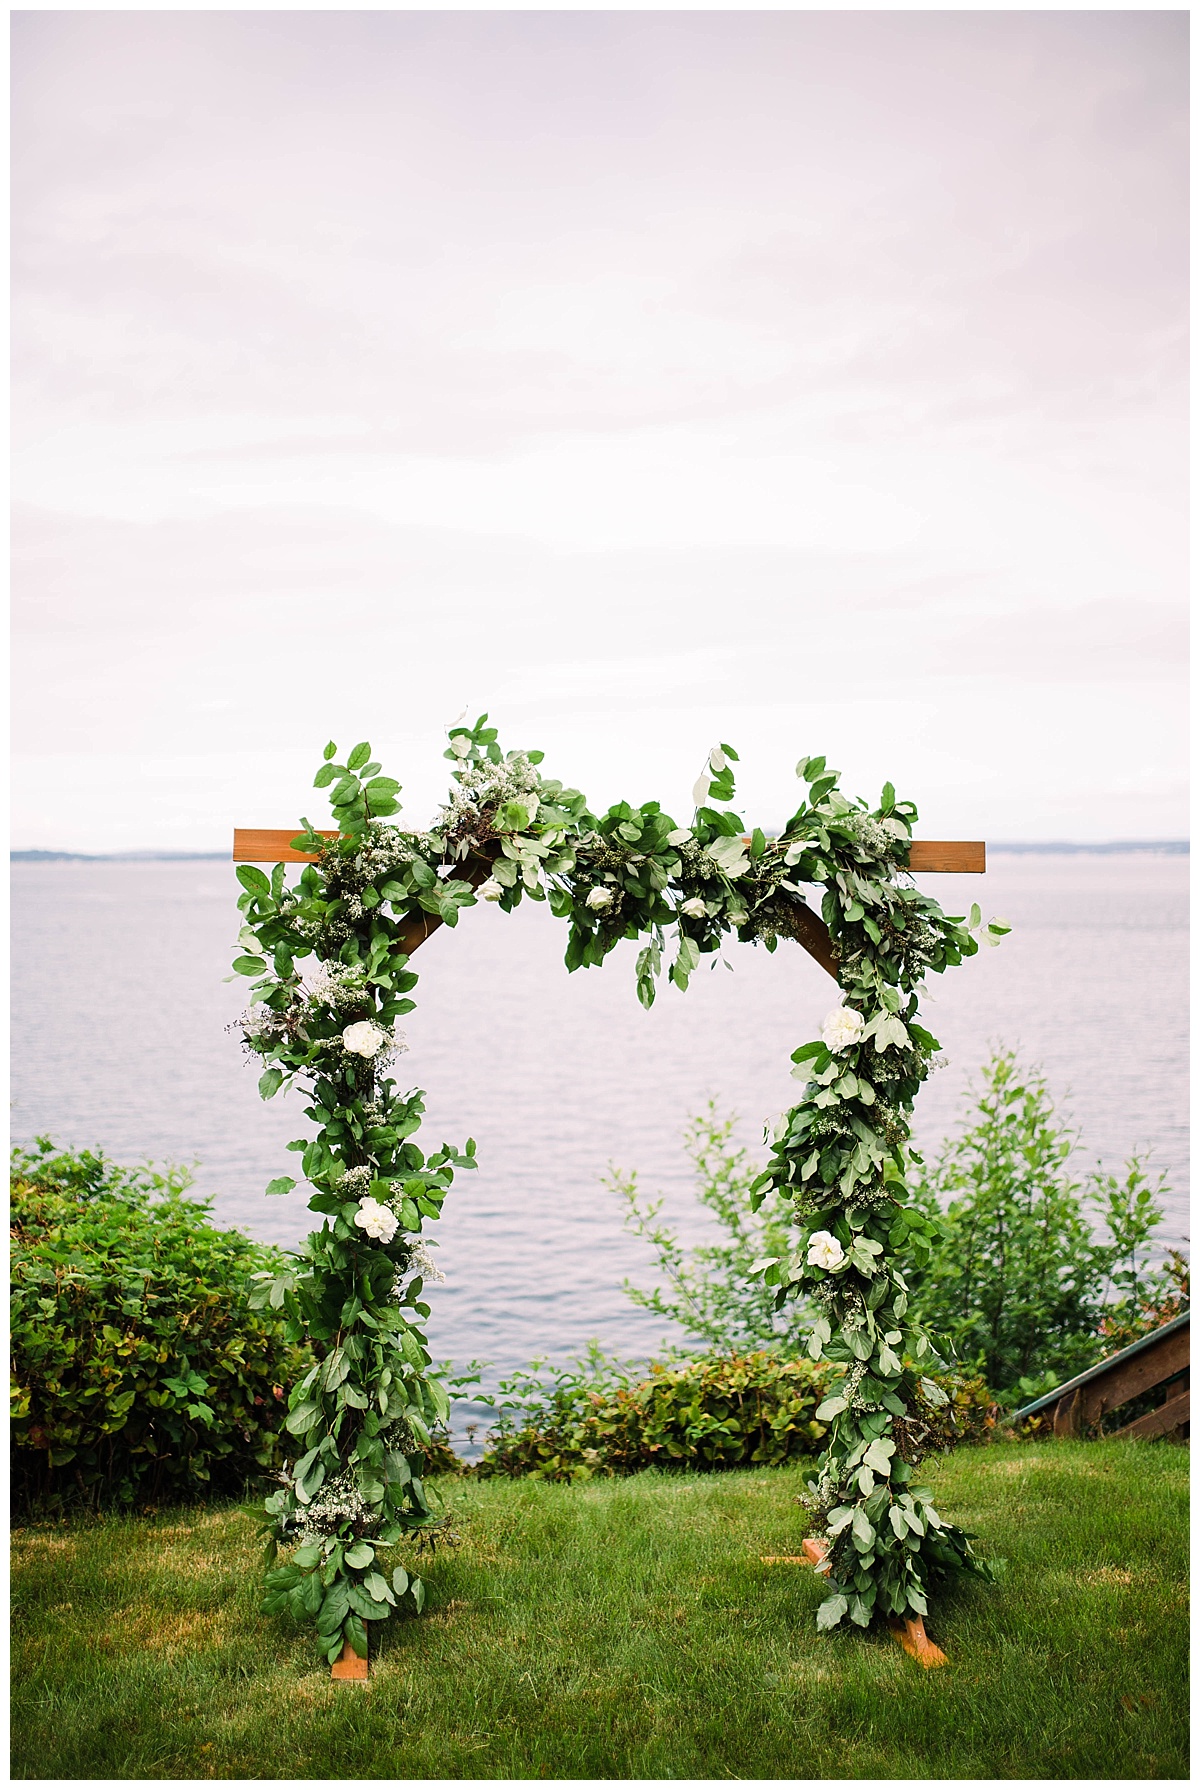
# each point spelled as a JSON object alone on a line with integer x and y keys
{"x": 629, "y": 1629}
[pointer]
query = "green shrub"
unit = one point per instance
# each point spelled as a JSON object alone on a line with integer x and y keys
{"x": 138, "y": 1369}
{"x": 1038, "y": 1270}
{"x": 757, "y": 1409}
{"x": 713, "y": 1292}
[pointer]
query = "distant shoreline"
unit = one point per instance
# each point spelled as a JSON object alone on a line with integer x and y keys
{"x": 1171, "y": 847}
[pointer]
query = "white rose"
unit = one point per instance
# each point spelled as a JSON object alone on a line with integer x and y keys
{"x": 599, "y": 899}
{"x": 842, "y": 1028}
{"x": 824, "y": 1250}
{"x": 363, "y": 1039}
{"x": 694, "y": 909}
{"x": 376, "y": 1220}
{"x": 491, "y": 890}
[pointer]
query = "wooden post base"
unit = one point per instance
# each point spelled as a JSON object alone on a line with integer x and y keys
{"x": 910, "y": 1632}
{"x": 351, "y": 1664}
{"x": 815, "y": 1551}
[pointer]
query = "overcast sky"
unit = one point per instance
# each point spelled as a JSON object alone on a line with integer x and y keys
{"x": 810, "y": 381}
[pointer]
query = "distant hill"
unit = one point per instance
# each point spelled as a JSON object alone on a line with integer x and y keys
{"x": 1177, "y": 847}
{"x": 109, "y": 857}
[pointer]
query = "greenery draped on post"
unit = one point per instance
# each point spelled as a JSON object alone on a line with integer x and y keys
{"x": 361, "y": 1417}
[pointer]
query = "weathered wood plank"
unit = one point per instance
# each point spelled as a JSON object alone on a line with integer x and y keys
{"x": 1168, "y": 1417}
{"x": 1067, "y": 1414}
{"x": 1162, "y": 1360}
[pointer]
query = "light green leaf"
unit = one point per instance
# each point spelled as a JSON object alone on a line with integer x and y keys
{"x": 831, "y": 1612}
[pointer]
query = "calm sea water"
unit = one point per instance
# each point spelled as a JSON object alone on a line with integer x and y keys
{"x": 120, "y": 1041}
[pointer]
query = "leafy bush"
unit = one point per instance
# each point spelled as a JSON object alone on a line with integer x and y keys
{"x": 714, "y": 1294}
{"x": 138, "y": 1369}
{"x": 756, "y": 1409}
{"x": 1037, "y": 1271}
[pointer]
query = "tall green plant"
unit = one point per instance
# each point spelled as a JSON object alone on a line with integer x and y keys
{"x": 1034, "y": 1258}
{"x": 712, "y": 1292}
{"x": 362, "y": 1417}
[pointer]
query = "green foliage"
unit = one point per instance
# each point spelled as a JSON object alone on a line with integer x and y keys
{"x": 715, "y": 1294}
{"x": 139, "y": 1370}
{"x": 751, "y": 1410}
{"x": 363, "y": 1414}
{"x": 755, "y": 1409}
{"x": 1022, "y": 1284}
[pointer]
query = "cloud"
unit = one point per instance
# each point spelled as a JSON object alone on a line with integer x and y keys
{"x": 604, "y": 365}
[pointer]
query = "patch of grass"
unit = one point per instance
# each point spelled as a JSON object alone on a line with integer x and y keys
{"x": 625, "y": 1629}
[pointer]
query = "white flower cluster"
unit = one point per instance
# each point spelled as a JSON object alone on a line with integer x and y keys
{"x": 483, "y": 788}
{"x": 355, "y": 1181}
{"x": 338, "y": 985}
{"x": 262, "y": 1022}
{"x": 419, "y": 1262}
{"x": 877, "y": 837}
{"x": 338, "y": 1501}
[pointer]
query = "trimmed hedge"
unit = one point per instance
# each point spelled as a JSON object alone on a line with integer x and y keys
{"x": 748, "y": 1410}
{"x": 139, "y": 1371}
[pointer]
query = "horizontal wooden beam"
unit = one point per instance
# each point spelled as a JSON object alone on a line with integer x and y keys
{"x": 273, "y": 845}
{"x": 957, "y": 857}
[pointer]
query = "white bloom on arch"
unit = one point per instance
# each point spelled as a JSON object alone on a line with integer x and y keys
{"x": 421, "y": 1262}
{"x": 491, "y": 890}
{"x": 599, "y": 898}
{"x": 842, "y": 1028}
{"x": 376, "y": 1220}
{"x": 364, "y": 1039}
{"x": 694, "y": 909}
{"x": 824, "y": 1250}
